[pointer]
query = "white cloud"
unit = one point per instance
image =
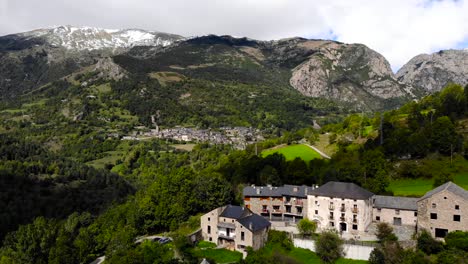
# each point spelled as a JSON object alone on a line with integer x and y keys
{"x": 399, "y": 29}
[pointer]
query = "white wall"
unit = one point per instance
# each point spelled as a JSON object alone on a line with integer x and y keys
{"x": 351, "y": 251}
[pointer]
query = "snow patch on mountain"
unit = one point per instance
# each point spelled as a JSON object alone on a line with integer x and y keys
{"x": 91, "y": 38}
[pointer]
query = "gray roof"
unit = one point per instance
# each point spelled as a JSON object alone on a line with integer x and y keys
{"x": 296, "y": 191}
{"x": 269, "y": 191}
{"x": 254, "y": 222}
{"x": 342, "y": 190}
{"x": 262, "y": 191}
{"x": 395, "y": 202}
{"x": 234, "y": 211}
{"x": 449, "y": 186}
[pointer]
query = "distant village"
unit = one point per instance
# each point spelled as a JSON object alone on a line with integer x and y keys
{"x": 239, "y": 137}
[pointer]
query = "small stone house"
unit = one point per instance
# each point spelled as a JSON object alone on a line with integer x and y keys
{"x": 443, "y": 210}
{"x": 394, "y": 210}
{"x": 235, "y": 228}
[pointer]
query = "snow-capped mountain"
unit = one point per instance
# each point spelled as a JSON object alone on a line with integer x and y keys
{"x": 90, "y": 38}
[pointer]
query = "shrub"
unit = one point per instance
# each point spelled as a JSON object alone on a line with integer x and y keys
{"x": 329, "y": 246}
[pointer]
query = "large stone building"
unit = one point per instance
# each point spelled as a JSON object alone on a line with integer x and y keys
{"x": 235, "y": 228}
{"x": 347, "y": 207}
{"x": 394, "y": 210}
{"x": 443, "y": 210}
{"x": 285, "y": 203}
{"x": 342, "y": 206}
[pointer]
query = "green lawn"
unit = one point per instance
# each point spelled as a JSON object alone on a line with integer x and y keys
{"x": 207, "y": 250}
{"x": 294, "y": 151}
{"x": 305, "y": 256}
{"x": 418, "y": 187}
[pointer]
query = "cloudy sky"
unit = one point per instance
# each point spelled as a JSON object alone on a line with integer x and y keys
{"x": 399, "y": 29}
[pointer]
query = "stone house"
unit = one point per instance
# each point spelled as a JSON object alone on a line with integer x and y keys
{"x": 443, "y": 210}
{"x": 395, "y": 210}
{"x": 286, "y": 203}
{"x": 343, "y": 206}
{"x": 235, "y": 228}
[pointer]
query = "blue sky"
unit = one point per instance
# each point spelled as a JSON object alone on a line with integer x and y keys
{"x": 398, "y": 29}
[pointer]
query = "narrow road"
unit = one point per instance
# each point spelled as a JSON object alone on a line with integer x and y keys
{"x": 319, "y": 151}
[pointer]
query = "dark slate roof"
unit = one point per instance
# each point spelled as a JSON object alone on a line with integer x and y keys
{"x": 254, "y": 222}
{"x": 263, "y": 191}
{"x": 342, "y": 190}
{"x": 394, "y": 202}
{"x": 449, "y": 186}
{"x": 234, "y": 211}
{"x": 296, "y": 191}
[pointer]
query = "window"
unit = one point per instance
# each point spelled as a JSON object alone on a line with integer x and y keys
{"x": 276, "y": 207}
{"x": 377, "y": 218}
{"x": 210, "y": 239}
{"x": 242, "y": 236}
{"x": 233, "y": 221}
{"x": 288, "y": 209}
{"x": 299, "y": 210}
{"x": 209, "y": 229}
{"x": 208, "y": 219}
{"x": 434, "y": 205}
{"x": 316, "y": 212}
{"x": 332, "y": 224}
{"x": 415, "y": 214}
{"x": 378, "y": 210}
{"x": 433, "y": 216}
{"x": 397, "y": 212}
{"x": 439, "y": 232}
{"x": 457, "y": 207}
{"x": 354, "y": 227}
{"x": 264, "y": 207}
{"x": 456, "y": 218}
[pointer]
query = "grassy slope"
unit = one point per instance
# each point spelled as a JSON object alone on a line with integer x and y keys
{"x": 291, "y": 152}
{"x": 208, "y": 250}
{"x": 418, "y": 187}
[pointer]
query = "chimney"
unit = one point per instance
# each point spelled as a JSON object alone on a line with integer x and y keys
{"x": 258, "y": 191}
{"x": 250, "y": 226}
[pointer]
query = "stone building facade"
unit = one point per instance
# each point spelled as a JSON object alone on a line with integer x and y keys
{"x": 286, "y": 203}
{"x": 394, "y": 210}
{"x": 235, "y": 228}
{"x": 343, "y": 206}
{"x": 443, "y": 210}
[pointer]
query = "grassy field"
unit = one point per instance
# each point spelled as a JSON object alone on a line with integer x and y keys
{"x": 305, "y": 256}
{"x": 208, "y": 250}
{"x": 110, "y": 158}
{"x": 293, "y": 151}
{"x": 418, "y": 187}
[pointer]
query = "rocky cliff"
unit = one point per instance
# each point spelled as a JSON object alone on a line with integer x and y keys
{"x": 350, "y": 73}
{"x": 433, "y": 71}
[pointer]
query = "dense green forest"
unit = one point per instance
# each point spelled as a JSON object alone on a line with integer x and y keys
{"x": 60, "y": 210}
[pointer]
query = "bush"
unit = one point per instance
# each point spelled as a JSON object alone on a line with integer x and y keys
{"x": 385, "y": 233}
{"x": 329, "y": 246}
{"x": 457, "y": 240}
{"x": 306, "y": 227}
{"x": 427, "y": 244}
{"x": 280, "y": 238}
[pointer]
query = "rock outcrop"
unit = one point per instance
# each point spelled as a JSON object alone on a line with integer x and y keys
{"x": 433, "y": 71}
{"x": 350, "y": 73}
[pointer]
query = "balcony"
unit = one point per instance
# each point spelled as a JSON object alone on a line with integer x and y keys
{"x": 331, "y": 217}
{"x": 276, "y": 211}
{"x": 265, "y": 211}
{"x": 226, "y": 237}
{"x": 343, "y": 209}
{"x": 354, "y": 221}
{"x": 331, "y": 207}
{"x": 299, "y": 203}
{"x": 355, "y": 210}
{"x": 226, "y": 225}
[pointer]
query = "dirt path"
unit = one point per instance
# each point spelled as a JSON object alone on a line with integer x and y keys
{"x": 319, "y": 151}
